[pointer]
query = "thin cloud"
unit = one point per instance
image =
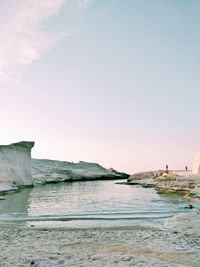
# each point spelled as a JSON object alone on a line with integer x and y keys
{"x": 22, "y": 37}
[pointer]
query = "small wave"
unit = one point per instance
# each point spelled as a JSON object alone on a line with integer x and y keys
{"x": 85, "y": 217}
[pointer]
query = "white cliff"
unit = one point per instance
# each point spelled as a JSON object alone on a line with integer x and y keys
{"x": 196, "y": 164}
{"x": 15, "y": 165}
{"x": 17, "y": 169}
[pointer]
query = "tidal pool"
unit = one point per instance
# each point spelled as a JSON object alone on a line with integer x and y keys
{"x": 90, "y": 204}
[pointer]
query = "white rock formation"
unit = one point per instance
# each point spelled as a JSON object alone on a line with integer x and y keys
{"x": 15, "y": 165}
{"x": 196, "y": 164}
{"x": 53, "y": 171}
{"x": 18, "y": 169}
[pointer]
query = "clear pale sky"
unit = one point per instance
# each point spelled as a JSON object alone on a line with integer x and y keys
{"x": 110, "y": 81}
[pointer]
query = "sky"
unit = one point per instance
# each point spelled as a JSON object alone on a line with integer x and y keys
{"x": 110, "y": 81}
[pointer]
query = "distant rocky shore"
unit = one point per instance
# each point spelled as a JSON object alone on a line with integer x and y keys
{"x": 53, "y": 171}
{"x": 183, "y": 182}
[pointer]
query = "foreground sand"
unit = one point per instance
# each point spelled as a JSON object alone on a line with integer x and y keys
{"x": 122, "y": 246}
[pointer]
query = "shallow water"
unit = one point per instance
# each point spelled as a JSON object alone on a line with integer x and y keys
{"x": 90, "y": 204}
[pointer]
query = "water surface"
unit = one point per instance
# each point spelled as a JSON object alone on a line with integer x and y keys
{"x": 90, "y": 204}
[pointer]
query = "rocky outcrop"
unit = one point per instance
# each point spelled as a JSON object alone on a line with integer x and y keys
{"x": 53, "y": 171}
{"x": 122, "y": 174}
{"x": 194, "y": 194}
{"x": 15, "y": 166}
{"x": 146, "y": 179}
{"x": 169, "y": 181}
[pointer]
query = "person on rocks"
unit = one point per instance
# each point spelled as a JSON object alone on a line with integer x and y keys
{"x": 167, "y": 168}
{"x": 186, "y": 168}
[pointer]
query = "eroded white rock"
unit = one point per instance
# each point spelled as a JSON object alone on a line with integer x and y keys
{"x": 15, "y": 165}
{"x": 52, "y": 171}
{"x": 196, "y": 164}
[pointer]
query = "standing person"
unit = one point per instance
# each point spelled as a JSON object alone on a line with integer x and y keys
{"x": 186, "y": 168}
{"x": 167, "y": 167}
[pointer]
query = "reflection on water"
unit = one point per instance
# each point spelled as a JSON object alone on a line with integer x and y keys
{"x": 16, "y": 203}
{"x": 91, "y": 203}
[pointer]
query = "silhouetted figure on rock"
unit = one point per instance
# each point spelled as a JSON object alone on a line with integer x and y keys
{"x": 167, "y": 168}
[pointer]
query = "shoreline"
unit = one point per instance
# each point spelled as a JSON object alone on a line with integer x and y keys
{"x": 144, "y": 181}
{"x": 20, "y": 187}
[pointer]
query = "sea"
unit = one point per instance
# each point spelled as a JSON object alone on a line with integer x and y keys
{"x": 103, "y": 203}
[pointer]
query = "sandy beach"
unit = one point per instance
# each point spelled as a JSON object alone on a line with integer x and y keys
{"x": 120, "y": 246}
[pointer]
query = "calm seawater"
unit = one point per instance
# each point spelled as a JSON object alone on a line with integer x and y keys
{"x": 89, "y": 204}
